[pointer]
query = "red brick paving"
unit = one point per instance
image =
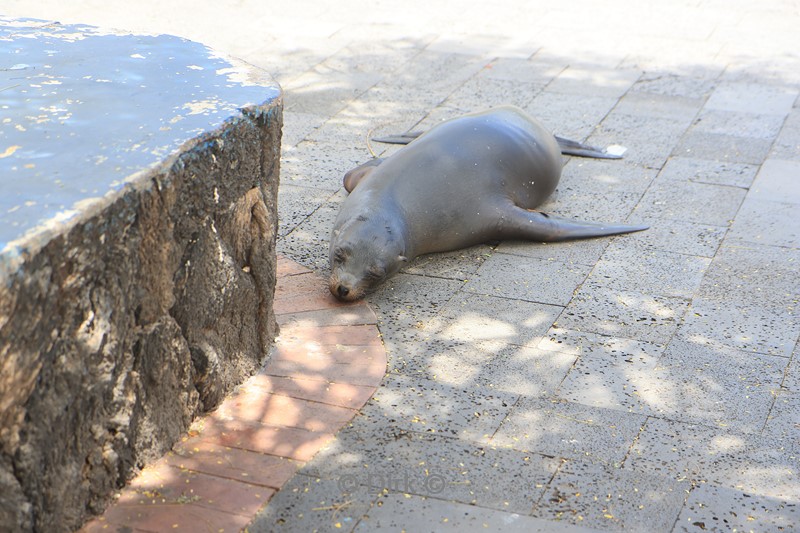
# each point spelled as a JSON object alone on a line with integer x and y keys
{"x": 326, "y": 365}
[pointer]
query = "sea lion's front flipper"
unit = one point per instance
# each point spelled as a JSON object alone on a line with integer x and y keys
{"x": 353, "y": 177}
{"x": 569, "y": 147}
{"x": 529, "y": 225}
{"x": 403, "y": 138}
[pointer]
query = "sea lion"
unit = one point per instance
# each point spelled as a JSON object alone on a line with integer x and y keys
{"x": 468, "y": 180}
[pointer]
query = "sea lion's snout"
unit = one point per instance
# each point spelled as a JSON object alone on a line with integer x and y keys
{"x": 343, "y": 290}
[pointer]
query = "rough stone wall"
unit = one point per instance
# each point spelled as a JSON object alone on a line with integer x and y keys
{"x": 118, "y": 333}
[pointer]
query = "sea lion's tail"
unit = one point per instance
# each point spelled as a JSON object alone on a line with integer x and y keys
{"x": 403, "y": 138}
{"x": 569, "y": 147}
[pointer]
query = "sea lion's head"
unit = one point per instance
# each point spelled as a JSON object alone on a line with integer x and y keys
{"x": 364, "y": 252}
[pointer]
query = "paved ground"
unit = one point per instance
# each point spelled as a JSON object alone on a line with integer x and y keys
{"x": 642, "y": 383}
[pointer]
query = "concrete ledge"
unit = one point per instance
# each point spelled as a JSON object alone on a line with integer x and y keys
{"x": 137, "y": 254}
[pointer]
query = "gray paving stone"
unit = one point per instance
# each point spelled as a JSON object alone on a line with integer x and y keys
{"x": 473, "y": 317}
{"x": 302, "y": 125}
{"x": 569, "y": 430}
{"x": 707, "y": 171}
{"x": 312, "y": 504}
{"x": 625, "y": 314}
{"x": 574, "y": 116}
{"x": 717, "y": 146}
{"x": 298, "y": 203}
{"x": 570, "y": 201}
{"x": 321, "y": 164}
{"x": 593, "y": 81}
{"x": 613, "y": 379}
{"x": 534, "y": 71}
{"x": 423, "y": 405}
{"x": 690, "y": 238}
{"x": 413, "y": 513}
{"x": 716, "y": 509}
{"x": 752, "y": 98}
{"x": 766, "y": 222}
{"x": 398, "y": 461}
{"x": 738, "y": 124}
{"x": 582, "y": 252}
{"x": 714, "y": 205}
{"x": 459, "y": 265}
{"x": 751, "y": 327}
{"x": 718, "y": 456}
{"x": 782, "y": 427}
{"x": 649, "y": 140}
{"x": 308, "y": 242}
{"x": 787, "y": 145}
{"x": 626, "y": 265}
{"x": 600, "y": 176}
{"x": 611, "y": 499}
{"x": 678, "y": 108}
{"x": 525, "y": 278}
{"x": 752, "y": 273}
{"x": 480, "y": 93}
{"x": 671, "y": 84}
{"x": 495, "y": 365}
{"x": 578, "y": 342}
{"x": 777, "y": 181}
{"x": 712, "y": 385}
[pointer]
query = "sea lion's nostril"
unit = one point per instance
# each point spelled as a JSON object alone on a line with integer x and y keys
{"x": 343, "y": 291}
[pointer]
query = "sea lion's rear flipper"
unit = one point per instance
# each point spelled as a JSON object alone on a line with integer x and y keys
{"x": 569, "y": 147}
{"x": 529, "y": 225}
{"x": 403, "y": 138}
{"x": 353, "y": 177}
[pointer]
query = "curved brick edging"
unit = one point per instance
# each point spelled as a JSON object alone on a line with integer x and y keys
{"x": 326, "y": 365}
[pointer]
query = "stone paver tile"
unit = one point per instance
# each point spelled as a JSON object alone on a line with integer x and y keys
{"x": 600, "y": 176}
{"x": 618, "y": 313}
{"x": 474, "y": 317}
{"x": 435, "y": 465}
{"x": 674, "y": 84}
{"x": 417, "y": 404}
{"x": 626, "y": 265}
{"x": 777, "y": 181}
{"x": 710, "y": 172}
{"x": 582, "y": 252}
{"x": 299, "y": 334}
{"x": 680, "y": 108}
{"x": 200, "y": 455}
{"x": 494, "y": 365}
{"x": 163, "y": 484}
{"x": 570, "y": 430}
{"x": 611, "y": 499}
{"x": 580, "y": 342}
{"x": 594, "y": 81}
{"x": 703, "y": 145}
{"x": 292, "y": 443}
{"x": 352, "y": 364}
{"x": 297, "y": 203}
{"x": 713, "y": 385}
{"x": 278, "y": 410}
{"x": 783, "y": 423}
{"x": 314, "y": 504}
{"x": 719, "y": 456}
{"x": 174, "y": 517}
{"x": 649, "y": 140}
{"x": 612, "y": 378}
{"x": 738, "y": 124}
{"x": 459, "y": 265}
{"x": 357, "y": 314}
{"x": 572, "y": 202}
{"x": 753, "y": 98}
{"x": 341, "y": 394}
{"x": 517, "y": 69}
{"x": 748, "y": 327}
{"x": 413, "y": 513}
{"x": 690, "y": 238}
{"x": 525, "y": 278}
{"x": 715, "y": 205}
{"x": 492, "y": 92}
{"x": 766, "y": 222}
{"x": 286, "y": 267}
{"x": 308, "y": 243}
{"x": 569, "y": 115}
{"x": 787, "y": 145}
{"x": 745, "y": 273}
{"x": 717, "y": 509}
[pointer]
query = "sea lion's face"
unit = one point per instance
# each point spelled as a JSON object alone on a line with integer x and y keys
{"x": 361, "y": 259}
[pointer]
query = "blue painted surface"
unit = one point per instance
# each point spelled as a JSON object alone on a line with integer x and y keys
{"x": 82, "y": 110}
